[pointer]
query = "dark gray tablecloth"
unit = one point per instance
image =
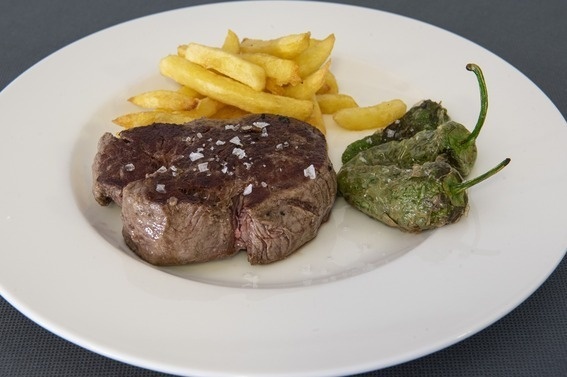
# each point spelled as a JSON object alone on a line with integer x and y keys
{"x": 531, "y": 35}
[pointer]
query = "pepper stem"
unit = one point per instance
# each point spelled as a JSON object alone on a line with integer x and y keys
{"x": 483, "y": 103}
{"x": 467, "y": 184}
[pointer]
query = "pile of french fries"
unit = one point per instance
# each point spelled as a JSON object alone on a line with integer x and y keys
{"x": 289, "y": 75}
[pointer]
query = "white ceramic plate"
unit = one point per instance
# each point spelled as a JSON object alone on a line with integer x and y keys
{"x": 361, "y": 296}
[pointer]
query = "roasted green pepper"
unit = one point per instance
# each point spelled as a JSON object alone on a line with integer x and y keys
{"x": 413, "y": 199}
{"x": 426, "y": 115}
{"x": 416, "y": 183}
{"x": 427, "y": 132}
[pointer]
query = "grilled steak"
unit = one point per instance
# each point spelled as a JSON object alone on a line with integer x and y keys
{"x": 211, "y": 188}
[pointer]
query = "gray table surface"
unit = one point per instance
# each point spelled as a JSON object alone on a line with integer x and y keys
{"x": 531, "y": 35}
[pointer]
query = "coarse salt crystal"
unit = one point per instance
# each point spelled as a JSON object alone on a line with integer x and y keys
{"x": 236, "y": 140}
{"x": 279, "y": 147}
{"x": 199, "y": 135}
{"x": 248, "y": 165}
{"x": 162, "y": 169}
{"x": 160, "y": 187}
{"x": 204, "y": 166}
{"x": 220, "y": 142}
{"x": 263, "y": 184}
{"x": 240, "y": 153}
{"x": 261, "y": 124}
{"x": 231, "y": 127}
{"x": 264, "y": 132}
{"x": 193, "y": 156}
{"x": 129, "y": 167}
{"x": 310, "y": 172}
{"x": 247, "y": 190}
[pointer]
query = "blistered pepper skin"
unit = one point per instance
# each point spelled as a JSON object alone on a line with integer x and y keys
{"x": 444, "y": 142}
{"x": 411, "y": 199}
{"x": 427, "y": 115}
{"x": 415, "y": 183}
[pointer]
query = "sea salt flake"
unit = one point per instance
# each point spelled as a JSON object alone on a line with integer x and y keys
{"x": 194, "y": 156}
{"x": 236, "y": 140}
{"x": 162, "y": 169}
{"x": 247, "y": 190}
{"x": 310, "y": 172}
{"x": 260, "y": 124}
{"x": 240, "y": 153}
{"x": 129, "y": 167}
{"x": 220, "y": 142}
{"x": 279, "y": 147}
{"x": 263, "y": 184}
{"x": 248, "y": 165}
{"x": 204, "y": 166}
{"x": 231, "y": 127}
{"x": 264, "y": 132}
{"x": 199, "y": 135}
{"x": 160, "y": 187}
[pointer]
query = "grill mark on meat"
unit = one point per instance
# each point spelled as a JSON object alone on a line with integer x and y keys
{"x": 185, "y": 213}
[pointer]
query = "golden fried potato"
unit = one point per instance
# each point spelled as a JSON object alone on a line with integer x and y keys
{"x": 230, "y": 91}
{"x": 289, "y": 75}
{"x": 377, "y": 116}
{"x": 229, "y": 112}
{"x": 331, "y": 86}
{"x": 231, "y": 43}
{"x": 331, "y": 103}
{"x": 316, "y": 117}
{"x": 189, "y": 92}
{"x": 312, "y": 58}
{"x": 286, "y": 47}
{"x": 205, "y": 108}
{"x": 164, "y": 100}
{"x": 228, "y": 64}
{"x": 308, "y": 87}
{"x": 282, "y": 71}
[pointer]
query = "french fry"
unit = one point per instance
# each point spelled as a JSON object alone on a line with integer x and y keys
{"x": 316, "y": 117}
{"x": 331, "y": 103}
{"x": 181, "y": 50}
{"x": 229, "y": 112}
{"x": 377, "y": 116}
{"x": 164, "y": 100}
{"x": 189, "y": 92}
{"x": 309, "y": 86}
{"x": 231, "y": 43}
{"x": 228, "y": 64}
{"x": 205, "y": 108}
{"x": 282, "y": 71}
{"x": 315, "y": 55}
{"x": 331, "y": 86}
{"x": 231, "y": 92}
{"x": 146, "y": 118}
{"x": 286, "y": 47}
{"x": 273, "y": 87}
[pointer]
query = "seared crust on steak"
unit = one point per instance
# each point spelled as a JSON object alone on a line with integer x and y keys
{"x": 211, "y": 188}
